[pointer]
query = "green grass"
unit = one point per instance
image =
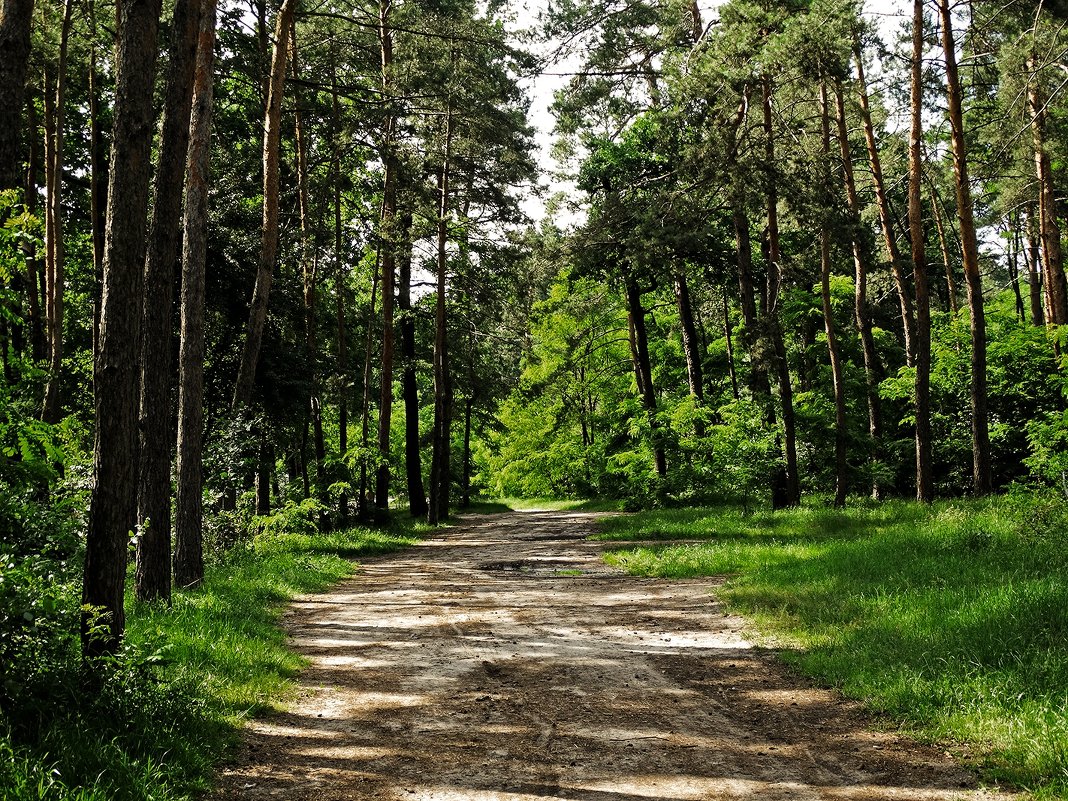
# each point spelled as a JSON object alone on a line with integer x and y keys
{"x": 190, "y": 676}
{"x": 952, "y": 619}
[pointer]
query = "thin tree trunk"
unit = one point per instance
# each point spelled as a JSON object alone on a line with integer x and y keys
{"x": 413, "y": 459}
{"x": 644, "y": 368}
{"x": 54, "y": 244}
{"x": 1049, "y": 231}
{"x": 729, "y": 334}
{"x": 872, "y": 367}
{"x": 16, "y": 22}
{"x": 389, "y": 244}
{"x": 310, "y": 274}
{"x": 773, "y": 325}
{"x": 32, "y": 260}
{"x": 922, "y": 342}
{"x": 1015, "y": 248}
{"x": 272, "y": 136}
{"x": 98, "y": 178}
{"x": 113, "y": 504}
{"x": 982, "y": 480}
{"x": 365, "y": 408}
{"x": 943, "y": 242}
{"x": 189, "y": 514}
{"x": 1034, "y": 268}
{"x": 440, "y": 467}
{"x": 152, "y": 577}
{"x": 841, "y": 470}
{"x": 886, "y": 219}
{"x": 342, "y": 345}
{"x": 465, "y": 497}
{"x": 690, "y": 344}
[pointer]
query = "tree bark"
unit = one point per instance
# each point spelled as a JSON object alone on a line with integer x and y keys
{"x": 690, "y": 343}
{"x": 1049, "y": 230}
{"x": 341, "y": 278}
{"x": 841, "y": 469}
{"x": 643, "y": 367}
{"x": 16, "y": 21}
{"x": 113, "y": 504}
{"x": 272, "y": 137}
{"x": 55, "y": 256}
{"x": 98, "y": 177}
{"x": 189, "y": 514}
{"x": 465, "y": 482}
{"x": 872, "y": 367}
{"x": 152, "y": 576}
{"x": 440, "y": 467}
{"x": 943, "y": 242}
{"x": 34, "y": 279}
{"x": 413, "y": 459}
{"x": 387, "y": 234}
{"x": 886, "y": 219}
{"x": 982, "y": 480}
{"x": 1034, "y": 268}
{"x": 922, "y": 341}
{"x": 772, "y": 324}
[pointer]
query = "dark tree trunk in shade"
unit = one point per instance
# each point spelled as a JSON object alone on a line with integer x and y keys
{"x": 841, "y": 469}
{"x": 189, "y": 514}
{"x": 152, "y": 577}
{"x": 388, "y": 234}
{"x": 1034, "y": 269}
{"x": 55, "y": 245}
{"x": 728, "y": 333}
{"x": 16, "y": 20}
{"x": 365, "y": 402}
{"x": 1048, "y": 227}
{"x": 113, "y": 504}
{"x": 982, "y": 479}
{"x": 339, "y": 265}
{"x": 264, "y": 471}
{"x": 886, "y": 219}
{"x": 413, "y": 459}
{"x": 465, "y": 481}
{"x": 34, "y": 279}
{"x": 643, "y": 367}
{"x": 772, "y": 323}
{"x": 1015, "y": 249}
{"x": 440, "y": 464}
{"x": 947, "y": 258}
{"x": 873, "y": 369}
{"x": 922, "y": 342}
{"x": 691, "y": 346}
{"x": 272, "y": 137}
{"x": 98, "y": 176}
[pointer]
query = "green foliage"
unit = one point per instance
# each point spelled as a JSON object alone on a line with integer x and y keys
{"x": 164, "y": 710}
{"x": 950, "y": 618}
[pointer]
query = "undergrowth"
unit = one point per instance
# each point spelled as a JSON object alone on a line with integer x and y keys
{"x": 951, "y": 619}
{"x": 170, "y": 702}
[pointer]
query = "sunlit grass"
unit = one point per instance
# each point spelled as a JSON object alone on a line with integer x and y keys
{"x": 952, "y": 619}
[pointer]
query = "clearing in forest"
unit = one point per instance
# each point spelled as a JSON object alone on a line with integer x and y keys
{"x": 503, "y": 660}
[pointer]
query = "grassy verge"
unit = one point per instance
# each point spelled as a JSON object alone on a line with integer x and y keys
{"x": 190, "y": 674}
{"x": 952, "y": 619}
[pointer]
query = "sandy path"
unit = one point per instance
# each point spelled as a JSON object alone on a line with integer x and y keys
{"x": 504, "y": 660}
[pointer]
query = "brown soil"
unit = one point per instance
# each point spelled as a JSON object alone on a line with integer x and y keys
{"x": 502, "y": 660}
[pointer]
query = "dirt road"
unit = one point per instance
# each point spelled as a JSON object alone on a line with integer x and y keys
{"x": 503, "y": 661}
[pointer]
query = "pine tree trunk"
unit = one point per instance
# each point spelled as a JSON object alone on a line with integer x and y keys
{"x": 34, "y": 279}
{"x": 943, "y": 243}
{"x": 440, "y": 467}
{"x": 55, "y": 256}
{"x": 982, "y": 480}
{"x": 189, "y": 513}
{"x": 1015, "y": 247}
{"x": 772, "y": 324}
{"x": 113, "y": 504}
{"x": 413, "y": 459}
{"x": 728, "y": 333}
{"x": 272, "y": 137}
{"x": 342, "y": 344}
{"x": 643, "y": 367}
{"x": 16, "y": 21}
{"x": 690, "y": 345}
{"x": 98, "y": 177}
{"x": 1049, "y": 230}
{"x": 872, "y": 367}
{"x": 389, "y": 267}
{"x": 886, "y": 219}
{"x": 841, "y": 470}
{"x": 152, "y": 577}
{"x": 465, "y": 497}
{"x": 365, "y": 407}
{"x": 1034, "y": 268}
{"x": 922, "y": 341}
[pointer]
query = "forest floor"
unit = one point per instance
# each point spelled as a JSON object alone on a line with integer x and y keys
{"x": 502, "y": 660}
